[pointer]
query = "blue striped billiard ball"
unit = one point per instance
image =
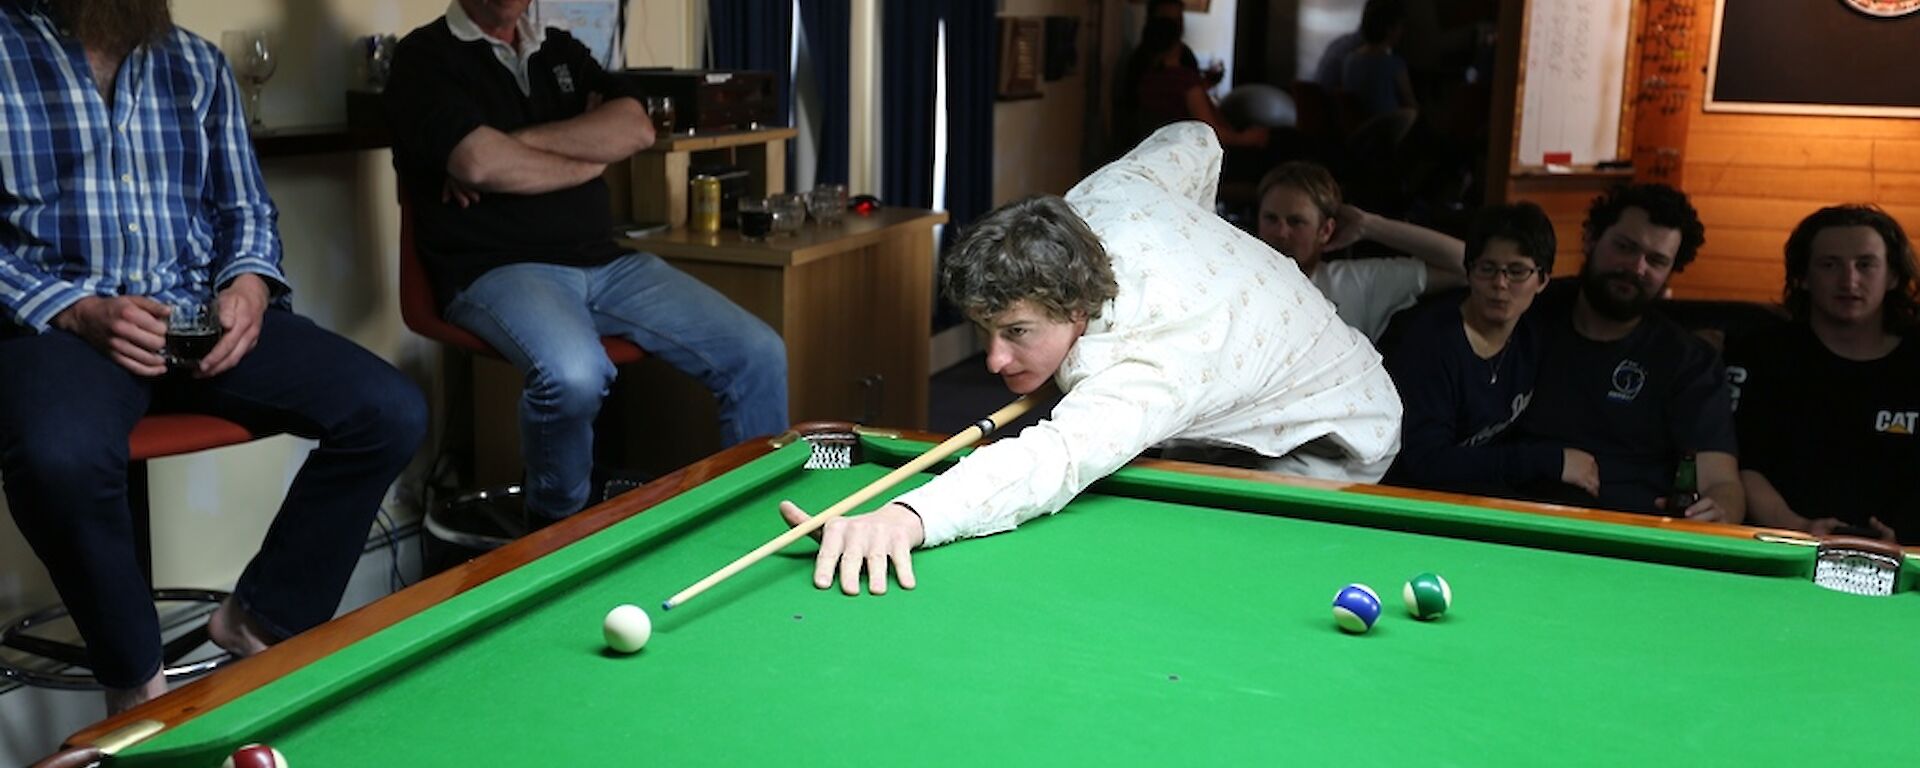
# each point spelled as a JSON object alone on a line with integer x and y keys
{"x": 1356, "y": 608}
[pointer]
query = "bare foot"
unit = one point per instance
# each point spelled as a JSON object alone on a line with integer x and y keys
{"x": 122, "y": 699}
{"x": 234, "y": 631}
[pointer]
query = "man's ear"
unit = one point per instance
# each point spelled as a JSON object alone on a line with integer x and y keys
{"x": 1327, "y": 225}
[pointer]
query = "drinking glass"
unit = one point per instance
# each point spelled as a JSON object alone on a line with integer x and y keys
{"x": 789, "y": 212}
{"x": 1214, "y": 69}
{"x": 193, "y": 328}
{"x": 827, "y": 203}
{"x": 660, "y": 111}
{"x": 253, "y": 64}
{"x": 756, "y": 219}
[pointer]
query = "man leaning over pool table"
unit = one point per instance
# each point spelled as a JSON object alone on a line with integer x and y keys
{"x": 1163, "y": 325}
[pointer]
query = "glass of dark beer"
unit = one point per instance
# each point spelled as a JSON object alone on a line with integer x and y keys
{"x": 756, "y": 220}
{"x": 192, "y": 330}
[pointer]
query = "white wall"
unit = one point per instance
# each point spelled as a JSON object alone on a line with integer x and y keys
{"x": 1320, "y": 22}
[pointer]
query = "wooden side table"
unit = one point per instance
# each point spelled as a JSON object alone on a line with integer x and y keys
{"x": 658, "y": 175}
{"x": 853, "y": 301}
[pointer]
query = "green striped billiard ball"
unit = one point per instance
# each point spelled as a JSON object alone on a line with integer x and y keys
{"x": 1427, "y": 596}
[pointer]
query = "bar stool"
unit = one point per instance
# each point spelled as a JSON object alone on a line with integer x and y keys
{"x": 154, "y": 436}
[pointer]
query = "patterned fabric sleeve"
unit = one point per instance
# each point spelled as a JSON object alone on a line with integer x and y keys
{"x": 245, "y": 221}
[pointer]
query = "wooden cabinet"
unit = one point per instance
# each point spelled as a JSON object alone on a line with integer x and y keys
{"x": 657, "y": 178}
{"x": 853, "y": 301}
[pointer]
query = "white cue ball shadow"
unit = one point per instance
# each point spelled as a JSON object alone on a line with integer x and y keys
{"x": 627, "y": 628}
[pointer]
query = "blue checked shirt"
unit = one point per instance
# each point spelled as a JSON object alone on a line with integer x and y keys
{"x": 157, "y": 195}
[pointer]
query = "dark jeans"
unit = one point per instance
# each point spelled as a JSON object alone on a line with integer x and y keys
{"x": 66, "y": 411}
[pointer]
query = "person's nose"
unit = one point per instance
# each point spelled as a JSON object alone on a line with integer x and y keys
{"x": 999, "y": 356}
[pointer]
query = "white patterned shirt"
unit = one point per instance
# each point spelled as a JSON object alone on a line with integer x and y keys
{"x": 1213, "y": 339}
{"x": 1368, "y": 292}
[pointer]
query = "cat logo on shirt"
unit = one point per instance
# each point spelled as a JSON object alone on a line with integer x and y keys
{"x": 564, "y": 77}
{"x": 1628, "y": 379}
{"x": 1896, "y": 422}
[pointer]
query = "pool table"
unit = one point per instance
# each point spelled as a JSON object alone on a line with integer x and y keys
{"x": 1173, "y": 614}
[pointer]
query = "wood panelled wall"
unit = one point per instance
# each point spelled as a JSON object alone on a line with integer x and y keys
{"x": 1752, "y": 177}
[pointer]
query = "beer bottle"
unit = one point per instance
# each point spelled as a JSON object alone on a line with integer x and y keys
{"x": 1686, "y": 487}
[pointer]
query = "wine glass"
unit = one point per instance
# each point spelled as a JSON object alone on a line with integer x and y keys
{"x": 660, "y": 111}
{"x": 253, "y": 64}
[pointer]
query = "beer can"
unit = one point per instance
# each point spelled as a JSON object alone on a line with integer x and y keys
{"x": 705, "y": 205}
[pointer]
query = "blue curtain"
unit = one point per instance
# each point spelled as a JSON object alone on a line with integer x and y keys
{"x": 754, "y": 34}
{"x": 973, "y": 55}
{"x": 827, "y": 26}
{"x": 909, "y": 30}
{"x": 908, "y": 33}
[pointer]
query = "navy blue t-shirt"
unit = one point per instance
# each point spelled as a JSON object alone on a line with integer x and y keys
{"x": 1637, "y": 404}
{"x": 1459, "y": 406}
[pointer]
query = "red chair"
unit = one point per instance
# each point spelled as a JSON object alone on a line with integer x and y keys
{"x": 422, "y": 314}
{"x": 154, "y": 436}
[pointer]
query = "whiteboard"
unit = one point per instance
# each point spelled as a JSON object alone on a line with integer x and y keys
{"x": 1571, "y": 80}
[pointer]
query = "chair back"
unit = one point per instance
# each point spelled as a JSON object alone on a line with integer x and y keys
{"x": 417, "y": 306}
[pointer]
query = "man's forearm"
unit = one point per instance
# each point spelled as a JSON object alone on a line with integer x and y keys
{"x": 605, "y": 134}
{"x": 1720, "y": 480}
{"x": 490, "y": 161}
{"x": 1442, "y": 252}
{"x": 1765, "y": 505}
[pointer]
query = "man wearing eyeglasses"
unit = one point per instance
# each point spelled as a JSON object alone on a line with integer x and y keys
{"x": 1620, "y": 381}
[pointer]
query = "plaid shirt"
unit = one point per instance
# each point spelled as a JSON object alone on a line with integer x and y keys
{"x": 157, "y": 194}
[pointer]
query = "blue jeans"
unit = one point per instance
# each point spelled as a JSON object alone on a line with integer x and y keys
{"x": 547, "y": 320}
{"x": 66, "y": 411}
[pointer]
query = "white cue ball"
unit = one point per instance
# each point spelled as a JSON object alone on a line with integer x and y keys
{"x": 627, "y": 628}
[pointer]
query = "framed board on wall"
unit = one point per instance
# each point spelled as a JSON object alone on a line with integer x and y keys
{"x": 1572, "y": 81}
{"x": 1020, "y": 52}
{"x": 1815, "y": 57}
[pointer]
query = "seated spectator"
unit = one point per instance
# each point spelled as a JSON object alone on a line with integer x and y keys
{"x": 1466, "y": 369}
{"x": 1330, "y": 70}
{"x": 1373, "y": 74}
{"x": 1620, "y": 381}
{"x": 1129, "y": 126}
{"x": 130, "y": 189}
{"x": 1827, "y": 403}
{"x": 502, "y": 133}
{"x": 1170, "y": 91}
{"x": 1301, "y": 216}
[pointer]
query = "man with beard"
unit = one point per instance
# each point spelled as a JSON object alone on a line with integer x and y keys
{"x": 1620, "y": 381}
{"x": 128, "y": 187}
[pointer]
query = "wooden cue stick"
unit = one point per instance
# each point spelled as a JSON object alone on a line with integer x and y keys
{"x": 972, "y": 434}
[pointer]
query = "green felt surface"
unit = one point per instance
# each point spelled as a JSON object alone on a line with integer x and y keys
{"x": 1168, "y": 629}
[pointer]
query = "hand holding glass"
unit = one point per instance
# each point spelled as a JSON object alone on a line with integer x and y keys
{"x": 192, "y": 331}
